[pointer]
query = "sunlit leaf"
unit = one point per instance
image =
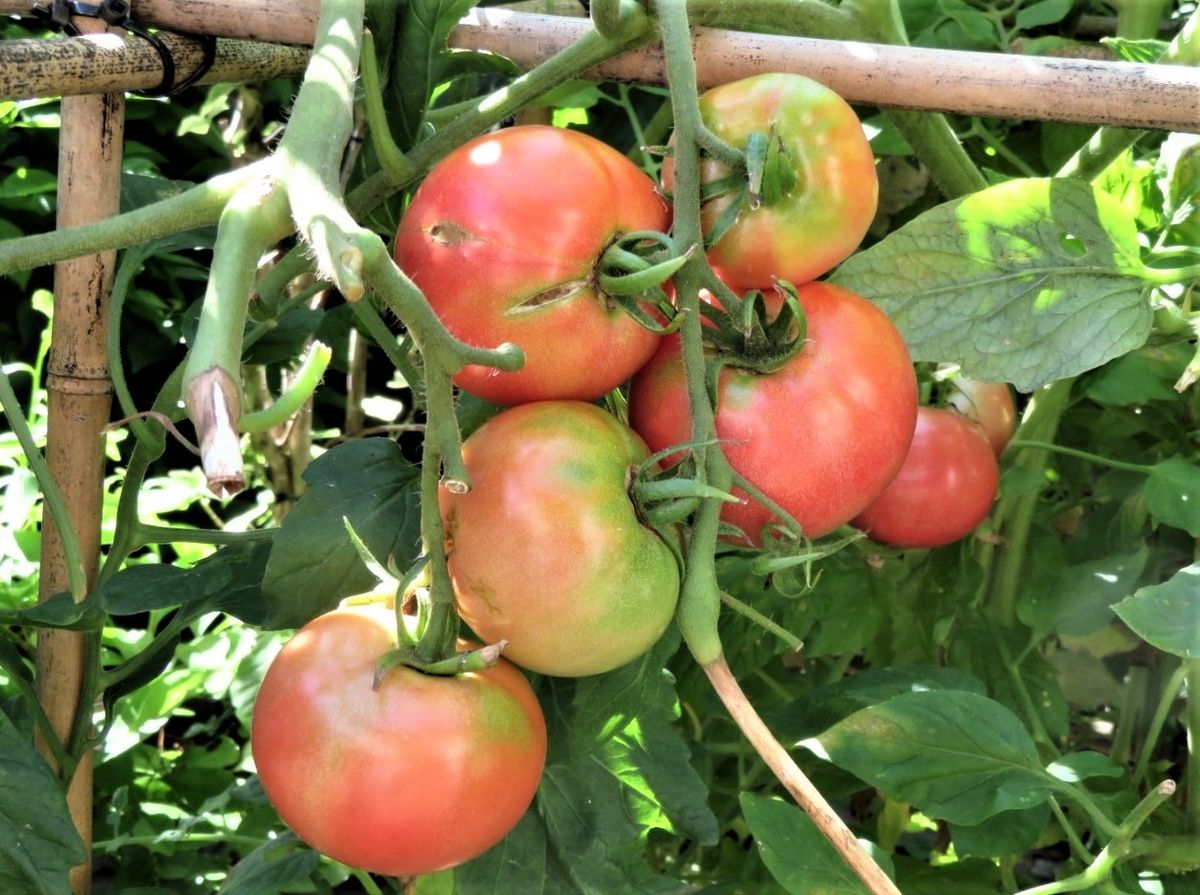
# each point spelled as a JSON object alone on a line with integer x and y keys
{"x": 1026, "y": 282}
{"x": 1167, "y": 615}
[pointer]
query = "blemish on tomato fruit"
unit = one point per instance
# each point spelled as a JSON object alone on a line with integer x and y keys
{"x": 448, "y": 233}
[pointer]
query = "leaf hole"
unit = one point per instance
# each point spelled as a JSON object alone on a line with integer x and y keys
{"x": 1072, "y": 245}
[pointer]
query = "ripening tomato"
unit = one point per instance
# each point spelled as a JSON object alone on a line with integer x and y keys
{"x": 423, "y": 774}
{"x": 991, "y": 405}
{"x": 546, "y": 550}
{"x": 822, "y": 435}
{"x": 817, "y": 222}
{"x": 504, "y": 236}
{"x": 944, "y": 489}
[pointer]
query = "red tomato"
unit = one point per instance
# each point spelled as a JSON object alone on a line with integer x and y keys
{"x": 822, "y": 435}
{"x": 424, "y": 774}
{"x": 503, "y": 236}
{"x": 822, "y": 219}
{"x": 546, "y": 550}
{"x": 991, "y": 405}
{"x": 944, "y": 489}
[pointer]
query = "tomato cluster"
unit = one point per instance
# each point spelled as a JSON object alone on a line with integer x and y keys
{"x": 548, "y": 551}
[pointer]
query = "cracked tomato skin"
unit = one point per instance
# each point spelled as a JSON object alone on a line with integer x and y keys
{"x": 821, "y": 436}
{"x": 546, "y": 550}
{"x": 424, "y": 774}
{"x": 944, "y": 489}
{"x": 503, "y": 237}
{"x": 825, "y": 216}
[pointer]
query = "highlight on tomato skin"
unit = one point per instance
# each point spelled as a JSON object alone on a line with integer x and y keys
{"x": 945, "y": 488}
{"x": 821, "y": 436}
{"x": 425, "y": 773}
{"x": 500, "y": 261}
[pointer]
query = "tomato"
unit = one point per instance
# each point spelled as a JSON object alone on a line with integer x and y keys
{"x": 822, "y": 435}
{"x": 944, "y": 489}
{"x": 424, "y": 774}
{"x": 546, "y": 550}
{"x": 822, "y": 219}
{"x": 504, "y": 236}
{"x": 991, "y": 405}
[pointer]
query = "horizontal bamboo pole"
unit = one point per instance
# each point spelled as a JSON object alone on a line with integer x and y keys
{"x": 1163, "y": 97}
{"x": 100, "y": 63}
{"x": 272, "y": 21}
{"x": 987, "y": 84}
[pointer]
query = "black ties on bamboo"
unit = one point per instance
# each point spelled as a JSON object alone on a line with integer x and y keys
{"x": 58, "y": 14}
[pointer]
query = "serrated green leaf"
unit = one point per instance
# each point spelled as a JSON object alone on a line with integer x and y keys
{"x": 798, "y": 855}
{"x": 1173, "y": 494}
{"x": 1076, "y": 766}
{"x": 957, "y": 756}
{"x": 1167, "y": 615}
{"x": 617, "y": 769}
{"x": 1006, "y": 833}
{"x": 38, "y": 842}
{"x": 60, "y": 611}
{"x": 1076, "y": 600}
{"x": 519, "y": 863}
{"x": 1147, "y": 374}
{"x": 271, "y": 867}
{"x": 1027, "y": 282}
{"x": 1145, "y": 51}
{"x": 821, "y": 709}
{"x": 313, "y": 563}
{"x": 1045, "y": 12}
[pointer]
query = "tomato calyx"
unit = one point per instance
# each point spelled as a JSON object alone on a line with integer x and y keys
{"x": 479, "y": 659}
{"x": 770, "y": 173}
{"x": 754, "y": 332}
{"x": 630, "y": 274}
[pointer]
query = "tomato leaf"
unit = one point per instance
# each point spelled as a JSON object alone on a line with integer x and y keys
{"x": 798, "y": 855}
{"x": 519, "y": 863}
{"x": 1006, "y": 833}
{"x": 1167, "y": 615}
{"x": 957, "y": 756}
{"x": 618, "y": 769}
{"x": 826, "y": 706}
{"x": 1075, "y": 599}
{"x": 1076, "y": 766}
{"x": 281, "y": 862}
{"x": 1044, "y": 12}
{"x": 37, "y": 848}
{"x": 1173, "y": 494}
{"x": 313, "y": 563}
{"x": 418, "y": 61}
{"x": 1026, "y": 282}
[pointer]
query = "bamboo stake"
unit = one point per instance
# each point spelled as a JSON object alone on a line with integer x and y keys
{"x": 89, "y": 179}
{"x": 988, "y": 84}
{"x": 274, "y": 21}
{"x": 105, "y": 62}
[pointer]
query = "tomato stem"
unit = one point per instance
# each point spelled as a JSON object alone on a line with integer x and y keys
{"x": 307, "y": 378}
{"x": 253, "y": 221}
{"x": 793, "y": 642}
{"x": 795, "y": 781}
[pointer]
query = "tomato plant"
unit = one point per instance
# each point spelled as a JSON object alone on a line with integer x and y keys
{"x": 505, "y": 253}
{"x": 422, "y": 773}
{"x": 821, "y": 164}
{"x": 991, "y": 405}
{"x": 944, "y": 489}
{"x": 821, "y": 436}
{"x": 546, "y": 550}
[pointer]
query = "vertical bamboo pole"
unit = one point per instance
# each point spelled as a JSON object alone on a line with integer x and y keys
{"x": 89, "y": 184}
